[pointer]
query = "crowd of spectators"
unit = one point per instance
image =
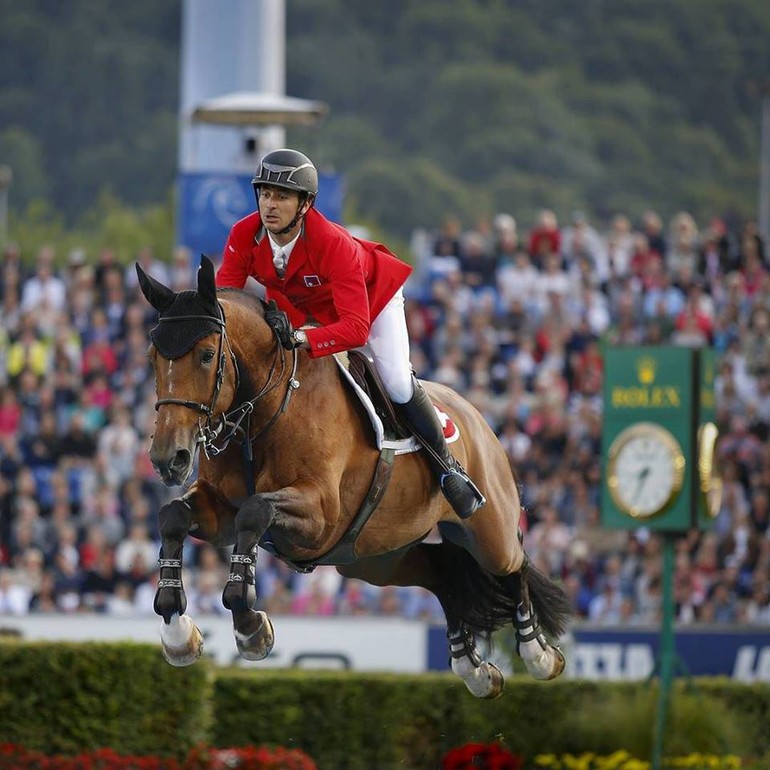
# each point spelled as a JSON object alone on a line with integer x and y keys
{"x": 516, "y": 322}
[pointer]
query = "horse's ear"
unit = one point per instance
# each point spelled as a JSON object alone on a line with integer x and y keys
{"x": 207, "y": 287}
{"x": 158, "y": 295}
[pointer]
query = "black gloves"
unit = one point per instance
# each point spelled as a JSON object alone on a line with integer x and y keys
{"x": 279, "y": 322}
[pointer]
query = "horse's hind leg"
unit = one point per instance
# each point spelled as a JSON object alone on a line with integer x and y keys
{"x": 425, "y": 565}
{"x": 481, "y": 590}
{"x": 542, "y": 659}
{"x": 180, "y": 638}
{"x": 482, "y": 678}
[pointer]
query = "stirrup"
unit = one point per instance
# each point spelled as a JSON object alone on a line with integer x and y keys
{"x": 463, "y": 507}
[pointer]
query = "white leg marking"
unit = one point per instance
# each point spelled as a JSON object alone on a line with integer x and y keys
{"x": 542, "y": 662}
{"x": 177, "y": 632}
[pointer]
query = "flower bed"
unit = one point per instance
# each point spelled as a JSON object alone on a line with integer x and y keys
{"x": 493, "y": 756}
{"x": 202, "y": 758}
{"x": 622, "y": 760}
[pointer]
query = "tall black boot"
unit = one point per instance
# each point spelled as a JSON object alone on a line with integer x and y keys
{"x": 419, "y": 414}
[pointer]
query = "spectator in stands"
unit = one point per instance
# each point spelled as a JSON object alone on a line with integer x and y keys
{"x": 620, "y": 245}
{"x": 652, "y": 228}
{"x": 683, "y": 245}
{"x": 524, "y": 350}
{"x": 544, "y": 238}
{"x": 45, "y": 289}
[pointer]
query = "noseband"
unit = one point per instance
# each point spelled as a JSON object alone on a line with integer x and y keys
{"x": 215, "y": 438}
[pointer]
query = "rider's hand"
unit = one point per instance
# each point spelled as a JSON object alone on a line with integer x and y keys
{"x": 279, "y": 322}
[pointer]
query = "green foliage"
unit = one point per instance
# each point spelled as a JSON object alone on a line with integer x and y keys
{"x": 96, "y": 88}
{"x": 66, "y": 698}
{"x": 625, "y": 719}
{"x": 472, "y": 106}
{"x": 108, "y": 224}
{"x": 22, "y": 153}
{"x": 410, "y": 722}
{"x": 409, "y": 193}
{"x": 72, "y": 698}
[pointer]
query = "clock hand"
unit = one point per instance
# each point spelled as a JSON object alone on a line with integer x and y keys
{"x": 640, "y": 479}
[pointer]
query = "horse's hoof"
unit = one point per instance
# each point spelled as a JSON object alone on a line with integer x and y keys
{"x": 186, "y": 653}
{"x": 543, "y": 663}
{"x": 486, "y": 681}
{"x": 496, "y": 682}
{"x": 559, "y": 663}
{"x": 258, "y": 644}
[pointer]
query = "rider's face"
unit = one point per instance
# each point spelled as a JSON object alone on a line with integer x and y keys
{"x": 277, "y": 207}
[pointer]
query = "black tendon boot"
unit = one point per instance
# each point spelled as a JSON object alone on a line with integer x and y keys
{"x": 419, "y": 414}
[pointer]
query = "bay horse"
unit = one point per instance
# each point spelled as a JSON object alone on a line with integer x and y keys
{"x": 287, "y": 460}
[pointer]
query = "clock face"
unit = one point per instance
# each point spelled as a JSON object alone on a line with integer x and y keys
{"x": 646, "y": 470}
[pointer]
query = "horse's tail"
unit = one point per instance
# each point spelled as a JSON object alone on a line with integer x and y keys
{"x": 485, "y": 602}
{"x": 551, "y": 604}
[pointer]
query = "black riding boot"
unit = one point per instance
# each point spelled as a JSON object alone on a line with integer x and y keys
{"x": 419, "y": 414}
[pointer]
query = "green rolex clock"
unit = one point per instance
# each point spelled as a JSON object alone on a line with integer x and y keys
{"x": 645, "y": 470}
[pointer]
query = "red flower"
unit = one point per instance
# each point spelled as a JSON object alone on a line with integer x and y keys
{"x": 481, "y": 756}
{"x": 200, "y": 758}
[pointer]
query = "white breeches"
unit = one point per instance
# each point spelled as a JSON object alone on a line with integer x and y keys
{"x": 389, "y": 344}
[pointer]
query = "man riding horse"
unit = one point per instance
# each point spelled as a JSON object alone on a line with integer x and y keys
{"x": 315, "y": 272}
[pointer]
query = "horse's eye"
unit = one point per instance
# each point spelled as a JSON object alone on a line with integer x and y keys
{"x": 207, "y": 356}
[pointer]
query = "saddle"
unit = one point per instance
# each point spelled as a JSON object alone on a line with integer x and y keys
{"x": 364, "y": 373}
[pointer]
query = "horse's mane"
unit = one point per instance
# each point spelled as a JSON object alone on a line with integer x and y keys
{"x": 242, "y": 297}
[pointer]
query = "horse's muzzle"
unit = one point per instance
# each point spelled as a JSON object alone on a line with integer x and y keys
{"x": 175, "y": 470}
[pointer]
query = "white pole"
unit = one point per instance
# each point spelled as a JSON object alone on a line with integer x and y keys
{"x": 272, "y": 66}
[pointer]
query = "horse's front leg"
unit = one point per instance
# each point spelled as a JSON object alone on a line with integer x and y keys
{"x": 286, "y": 511}
{"x": 253, "y": 629}
{"x": 180, "y": 638}
{"x": 204, "y": 512}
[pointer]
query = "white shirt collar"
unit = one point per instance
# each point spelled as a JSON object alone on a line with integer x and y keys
{"x": 287, "y": 249}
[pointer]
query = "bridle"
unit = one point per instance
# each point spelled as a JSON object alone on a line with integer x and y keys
{"x": 216, "y": 433}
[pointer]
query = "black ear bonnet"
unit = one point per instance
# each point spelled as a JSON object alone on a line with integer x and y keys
{"x": 184, "y": 316}
{"x": 186, "y": 320}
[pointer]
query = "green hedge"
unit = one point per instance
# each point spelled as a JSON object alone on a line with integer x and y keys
{"x": 68, "y": 698}
{"x": 349, "y": 721}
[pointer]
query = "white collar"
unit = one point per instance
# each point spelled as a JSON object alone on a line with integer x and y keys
{"x": 287, "y": 249}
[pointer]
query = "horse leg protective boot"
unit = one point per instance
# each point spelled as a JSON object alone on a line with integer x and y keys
{"x": 463, "y": 495}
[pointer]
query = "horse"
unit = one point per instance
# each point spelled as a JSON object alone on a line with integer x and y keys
{"x": 275, "y": 449}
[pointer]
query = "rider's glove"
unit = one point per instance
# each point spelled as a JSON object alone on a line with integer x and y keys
{"x": 279, "y": 322}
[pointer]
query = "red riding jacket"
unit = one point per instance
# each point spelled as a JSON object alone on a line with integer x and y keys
{"x": 332, "y": 278}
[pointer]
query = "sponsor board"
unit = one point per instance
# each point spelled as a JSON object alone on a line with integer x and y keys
{"x": 363, "y": 644}
{"x": 607, "y": 654}
{"x": 410, "y": 646}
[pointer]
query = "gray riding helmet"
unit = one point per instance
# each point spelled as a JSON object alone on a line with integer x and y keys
{"x": 289, "y": 169}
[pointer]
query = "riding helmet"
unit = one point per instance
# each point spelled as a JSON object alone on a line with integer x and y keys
{"x": 287, "y": 168}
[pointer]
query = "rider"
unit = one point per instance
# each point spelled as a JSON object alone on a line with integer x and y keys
{"x": 316, "y": 271}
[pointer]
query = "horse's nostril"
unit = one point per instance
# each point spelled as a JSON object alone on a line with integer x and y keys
{"x": 181, "y": 459}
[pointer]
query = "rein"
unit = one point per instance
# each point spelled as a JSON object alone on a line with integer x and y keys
{"x": 214, "y": 439}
